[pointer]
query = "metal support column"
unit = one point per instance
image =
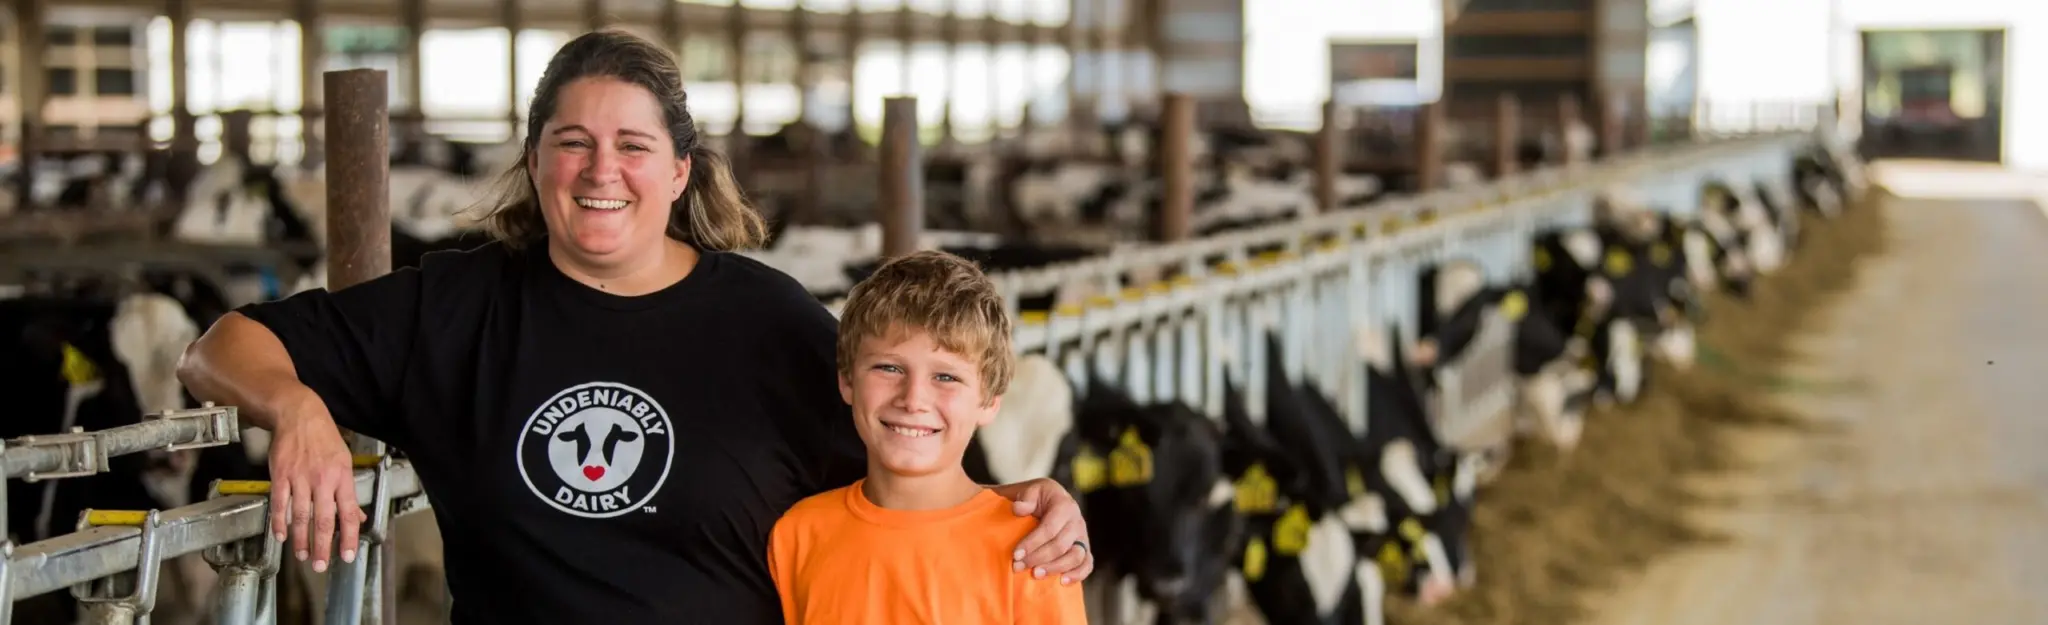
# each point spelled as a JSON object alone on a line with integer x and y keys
{"x": 359, "y": 250}
{"x": 902, "y": 178}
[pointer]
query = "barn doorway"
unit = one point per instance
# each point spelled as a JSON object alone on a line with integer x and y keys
{"x": 1934, "y": 94}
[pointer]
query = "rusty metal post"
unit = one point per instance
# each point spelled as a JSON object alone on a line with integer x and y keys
{"x": 414, "y": 15}
{"x": 800, "y": 28}
{"x": 736, "y": 152}
{"x": 1611, "y": 124}
{"x": 902, "y": 177}
{"x": 671, "y": 28}
{"x": 1077, "y": 50}
{"x": 235, "y": 137}
{"x": 359, "y": 250}
{"x": 1507, "y": 135}
{"x": 855, "y": 35}
{"x": 1177, "y": 168}
{"x": 312, "y": 54}
{"x": 358, "y": 172}
{"x": 1429, "y": 154}
{"x": 509, "y": 12}
{"x": 949, "y": 30}
{"x": 1567, "y": 118}
{"x": 992, "y": 35}
{"x": 907, "y": 39}
{"x": 1327, "y": 156}
{"x": 34, "y": 93}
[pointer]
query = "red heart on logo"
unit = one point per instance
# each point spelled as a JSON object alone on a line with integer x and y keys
{"x": 593, "y": 472}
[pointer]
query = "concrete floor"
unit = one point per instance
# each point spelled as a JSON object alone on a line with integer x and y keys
{"x": 1930, "y": 503}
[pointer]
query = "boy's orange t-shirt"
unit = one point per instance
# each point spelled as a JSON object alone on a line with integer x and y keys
{"x": 838, "y": 559}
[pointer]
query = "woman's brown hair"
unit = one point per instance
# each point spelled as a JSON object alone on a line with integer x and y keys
{"x": 712, "y": 214}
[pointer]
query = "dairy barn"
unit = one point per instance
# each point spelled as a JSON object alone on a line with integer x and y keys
{"x": 1405, "y": 312}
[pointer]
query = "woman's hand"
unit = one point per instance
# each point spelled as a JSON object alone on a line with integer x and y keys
{"x": 1059, "y": 546}
{"x": 313, "y": 483}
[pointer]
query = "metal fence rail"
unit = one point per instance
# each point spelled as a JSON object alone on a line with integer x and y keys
{"x": 64, "y": 561}
{"x": 72, "y": 454}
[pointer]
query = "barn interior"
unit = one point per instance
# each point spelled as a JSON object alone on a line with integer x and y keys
{"x": 1480, "y": 311}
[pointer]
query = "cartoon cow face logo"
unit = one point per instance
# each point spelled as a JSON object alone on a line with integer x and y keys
{"x": 610, "y": 463}
{"x": 596, "y": 450}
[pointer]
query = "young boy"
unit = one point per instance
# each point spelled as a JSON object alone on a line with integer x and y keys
{"x": 924, "y": 358}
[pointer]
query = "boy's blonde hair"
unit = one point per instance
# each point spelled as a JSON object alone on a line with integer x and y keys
{"x": 943, "y": 295}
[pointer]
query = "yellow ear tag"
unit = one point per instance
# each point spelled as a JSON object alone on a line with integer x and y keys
{"x": 1254, "y": 559}
{"x": 1090, "y": 472}
{"x": 1290, "y": 533}
{"x": 1354, "y": 482}
{"x": 1514, "y": 305}
{"x": 1541, "y": 259}
{"x": 1660, "y": 255}
{"x": 1411, "y": 530}
{"x": 77, "y": 369}
{"x": 1585, "y": 328}
{"x": 1442, "y": 486}
{"x": 1131, "y": 463}
{"x": 1393, "y": 565}
{"x": 1618, "y": 263}
{"x": 1256, "y": 491}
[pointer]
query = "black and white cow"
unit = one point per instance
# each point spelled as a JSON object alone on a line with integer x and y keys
{"x": 1148, "y": 475}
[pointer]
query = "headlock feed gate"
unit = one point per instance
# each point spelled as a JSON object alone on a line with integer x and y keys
{"x": 1326, "y": 283}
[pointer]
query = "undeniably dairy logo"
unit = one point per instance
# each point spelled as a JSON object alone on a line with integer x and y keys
{"x": 597, "y": 450}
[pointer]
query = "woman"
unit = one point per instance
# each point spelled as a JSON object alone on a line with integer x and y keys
{"x": 608, "y": 409}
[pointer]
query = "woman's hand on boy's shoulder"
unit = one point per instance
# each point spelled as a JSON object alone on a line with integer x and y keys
{"x": 1059, "y": 545}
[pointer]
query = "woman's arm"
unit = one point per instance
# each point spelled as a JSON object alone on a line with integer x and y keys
{"x": 241, "y": 363}
{"x": 302, "y": 368}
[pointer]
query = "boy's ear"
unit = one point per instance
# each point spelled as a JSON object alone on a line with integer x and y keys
{"x": 995, "y": 405}
{"x": 845, "y": 390}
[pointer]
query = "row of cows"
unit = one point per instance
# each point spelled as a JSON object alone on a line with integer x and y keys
{"x": 1271, "y": 504}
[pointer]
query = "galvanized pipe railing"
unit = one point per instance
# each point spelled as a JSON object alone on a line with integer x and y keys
{"x": 64, "y": 561}
{"x": 78, "y": 453}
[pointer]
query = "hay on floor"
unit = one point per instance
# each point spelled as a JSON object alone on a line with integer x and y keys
{"x": 1554, "y": 527}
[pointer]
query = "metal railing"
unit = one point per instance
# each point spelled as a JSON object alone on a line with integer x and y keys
{"x": 111, "y": 562}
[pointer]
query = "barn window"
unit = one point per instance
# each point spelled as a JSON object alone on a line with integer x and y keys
{"x": 115, "y": 82}
{"x": 63, "y": 81}
{"x": 1516, "y": 46}
{"x": 117, "y": 36}
{"x": 1509, "y": 6}
{"x": 60, "y": 35}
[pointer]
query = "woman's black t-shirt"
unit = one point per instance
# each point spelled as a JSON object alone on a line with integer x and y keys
{"x": 591, "y": 458}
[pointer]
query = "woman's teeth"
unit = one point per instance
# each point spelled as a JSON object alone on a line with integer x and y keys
{"x": 603, "y": 205}
{"x": 912, "y": 432}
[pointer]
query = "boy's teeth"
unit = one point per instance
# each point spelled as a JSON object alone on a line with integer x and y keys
{"x": 601, "y": 204}
{"x": 912, "y": 432}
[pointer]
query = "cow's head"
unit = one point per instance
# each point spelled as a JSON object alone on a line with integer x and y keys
{"x": 1189, "y": 522}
